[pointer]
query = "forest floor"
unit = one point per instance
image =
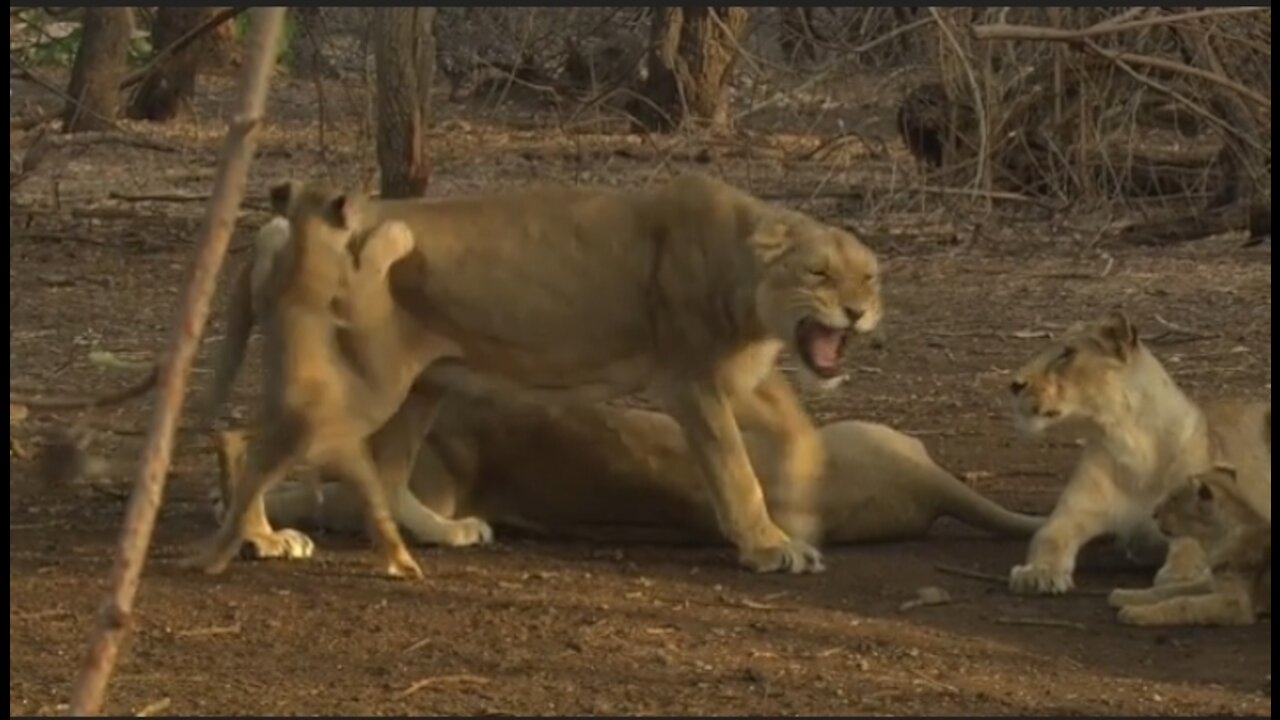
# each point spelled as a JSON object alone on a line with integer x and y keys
{"x": 525, "y": 627}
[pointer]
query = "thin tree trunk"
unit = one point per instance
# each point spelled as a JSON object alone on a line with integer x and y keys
{"x": 98, "y": 70}
{"x": 307, "y": 61}
{"x": 165, "y": 92}
{"x": 116, "y": 614}
{"x": 692, "y": 53}
{"x": 400, "y": 36}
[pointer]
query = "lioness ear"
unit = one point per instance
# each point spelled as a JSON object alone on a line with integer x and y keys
{"x": 343, "y": 212}
{"x": 386, "y": 244}
{"x": 770, "y": 241}
{"x": 1204, "y": 492}
{"x": 1118, "y": 334}
{"x": 282, "y": 196}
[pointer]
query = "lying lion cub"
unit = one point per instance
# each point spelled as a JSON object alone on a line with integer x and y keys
{"x": 613, "y": 474}
{"x": 1143, "y": 437}
{"x": 691, "y": 289}
{"x": 1211, "y": 510}
{"x": 323, "y": 393}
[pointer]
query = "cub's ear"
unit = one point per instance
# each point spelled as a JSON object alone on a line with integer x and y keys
{"x": 1118, "y": 334}
{"x": 282, "y": 196}
{"x": 386, "y": 244}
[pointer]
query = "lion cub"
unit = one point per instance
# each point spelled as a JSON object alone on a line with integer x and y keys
{"x": 1210, "y": 510}
{"x": 1143, "y": 438}
{"x": 329, "y": 381}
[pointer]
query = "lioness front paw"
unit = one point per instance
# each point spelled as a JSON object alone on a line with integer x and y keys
{"x": 468, "y": 531}
{"x": 286, "y": 544}
{"x": 792, "y": 556}
{"x": 1034, "y": 579}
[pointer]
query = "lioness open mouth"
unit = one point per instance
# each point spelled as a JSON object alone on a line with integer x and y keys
{"x": 821, "y": 346}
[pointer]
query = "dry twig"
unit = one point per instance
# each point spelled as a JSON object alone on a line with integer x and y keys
{"x": 135, "y": 536}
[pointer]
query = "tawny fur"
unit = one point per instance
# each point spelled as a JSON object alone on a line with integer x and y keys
{"x": 1143, "y": 437}
{"x": 321, "y": 400}
{"x": 689, "y": 289}
{"x": 613, "y": 474}
{"x": 1210, "y": 510}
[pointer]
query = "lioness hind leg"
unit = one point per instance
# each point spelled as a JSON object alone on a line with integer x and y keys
{"x": 1212, "y": 609}
{"x": 272, "y": 456}
{"x": 352, "y": 463}
{"x": 717, "y": 445}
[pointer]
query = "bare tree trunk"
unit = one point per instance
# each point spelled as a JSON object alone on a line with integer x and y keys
{"x": 98, "y": 70}
{"x": 169, "y": 87}
{"x": 307, "y": 61}
{"x": 402, "y": 50}
{"x": 691, "y": 57}
{"x": 116, "y": 615}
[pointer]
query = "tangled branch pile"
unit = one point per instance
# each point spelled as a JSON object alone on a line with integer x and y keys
{"x": 1100, "y": 104}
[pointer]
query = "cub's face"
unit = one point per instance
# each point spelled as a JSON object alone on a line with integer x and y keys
{"x": 1076, "y": 377}
{"x": 1197, "y": 508}
{"x": 820, "y": 285}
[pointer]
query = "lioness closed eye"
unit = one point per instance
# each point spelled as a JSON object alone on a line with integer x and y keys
{"x": 690, "y": 288}
{"x": 1210, "y": 510}
{"x": 1143, "y": 437}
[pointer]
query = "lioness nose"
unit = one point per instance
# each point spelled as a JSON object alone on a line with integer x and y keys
{"x": 854, "y": 314}
{"x": 1017, "y": 386}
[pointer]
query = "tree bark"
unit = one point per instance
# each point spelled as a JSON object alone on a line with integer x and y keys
{"x": 307, "y": 62}
{"x": 403, "y": 54}
{"x": 169, "y": 87}
{"x": 99, "y": 67}
{"x": 692, "y": 53}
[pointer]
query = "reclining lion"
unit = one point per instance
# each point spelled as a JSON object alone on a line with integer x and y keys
{"x": 604, "y": 473}
{"x": 690, "y": 289}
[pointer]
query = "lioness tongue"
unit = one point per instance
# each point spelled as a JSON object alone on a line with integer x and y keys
{"x": 824, "y": 348}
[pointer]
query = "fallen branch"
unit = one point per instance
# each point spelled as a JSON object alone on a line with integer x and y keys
{"x": 159, "y": 197}
{"x": 1041, "y": 622}
{"x": 83, "y": 402}
{"x": 1006, "y": 31}
{"x": 972, "y": 574}
{"x": 442, "y": 680}
{"x": 115, "y": 617}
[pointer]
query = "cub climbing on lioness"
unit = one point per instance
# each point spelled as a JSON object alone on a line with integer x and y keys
{"x": 1142, "y": 438}
{"x": 690, "y": 288}
{"x": 324, "y": 391}
{"x": 1209, "y": 509}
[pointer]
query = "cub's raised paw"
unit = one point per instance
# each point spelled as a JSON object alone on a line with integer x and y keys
{"x": 286, "y": 544}
{"x": 468, "y": 531}
{"x": 1039, "y": 580}
{"x": 793, "y": 556}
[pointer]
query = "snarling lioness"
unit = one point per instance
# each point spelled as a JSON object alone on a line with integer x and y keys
{"x": 690, "y": 289}
{"x": 1143, "y": 437}
{"x": 1210, "y": 509}
{"x": 602, "y": 473}
{"x": 320, "y": 400}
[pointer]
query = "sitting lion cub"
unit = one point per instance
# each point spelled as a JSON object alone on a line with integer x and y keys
{"x": 326, "y": 387}
{"x": 1211, "y": 510}
{"x": 1143, "y": 437}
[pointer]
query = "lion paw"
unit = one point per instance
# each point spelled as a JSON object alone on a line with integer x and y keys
{"x": 468, "y": 531}
{"x": 793, "y": 556}
{"x": 1137, "y": 615}
{"x": 401, "y": 565}
{"x": 284, "y": 544}
{"x": 1039, "y": 580}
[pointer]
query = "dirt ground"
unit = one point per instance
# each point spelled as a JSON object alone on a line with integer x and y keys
{"x": 527, "y": 627}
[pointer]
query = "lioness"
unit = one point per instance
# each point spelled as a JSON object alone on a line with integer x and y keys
{"x": 691, "y": 289}
{"x": 1143, "y": 437}
{"x": 612, "y": 474}
{"x": 1210, "y": 509}
{"x": 322, "y": 398}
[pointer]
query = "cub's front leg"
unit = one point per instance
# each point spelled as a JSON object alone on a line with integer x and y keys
{"x": 704, "y": 412}
{"x": 1226, "y": 606}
